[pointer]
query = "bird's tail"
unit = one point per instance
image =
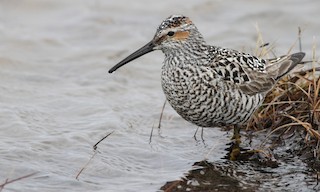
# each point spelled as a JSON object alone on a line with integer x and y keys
{"x": 283, "y": 65}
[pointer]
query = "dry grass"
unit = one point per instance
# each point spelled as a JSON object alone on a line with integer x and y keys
{"x": 294, "y": 103}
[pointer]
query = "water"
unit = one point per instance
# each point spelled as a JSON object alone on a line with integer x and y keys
{"x": 57, "y": 99}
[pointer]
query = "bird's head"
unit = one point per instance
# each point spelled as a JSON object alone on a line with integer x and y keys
{"x": 175, "y": 32}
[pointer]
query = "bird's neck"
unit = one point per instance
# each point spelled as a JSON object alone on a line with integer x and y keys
{"x": 196, "y": 54}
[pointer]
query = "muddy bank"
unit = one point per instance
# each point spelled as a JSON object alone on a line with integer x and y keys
{"x": 288, "y": 165}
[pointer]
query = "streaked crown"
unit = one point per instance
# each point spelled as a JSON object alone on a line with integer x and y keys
{"x": 175, "y": 21}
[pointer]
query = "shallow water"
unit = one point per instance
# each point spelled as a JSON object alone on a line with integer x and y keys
{"x": 57, "y": 99}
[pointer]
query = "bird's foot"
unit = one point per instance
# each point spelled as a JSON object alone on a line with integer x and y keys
{"x": 236, "y": 153}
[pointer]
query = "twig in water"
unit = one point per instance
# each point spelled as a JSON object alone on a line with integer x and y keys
{"x": 95, "y": 152}
{"x": 151, "y": 133}
{"x": 96, "y": 145}
{"x": 195, "y": 134}
{"x": 13, "y": 180}
{"x": 160, "y": 119}
{"x": 202, "y": 134}
{"x": 86, "y": 165}
{"x": 299, "y": 37}
{"x": 159, "y": 125}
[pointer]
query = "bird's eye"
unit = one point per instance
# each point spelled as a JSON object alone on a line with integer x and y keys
{"x": 170, "y": 33}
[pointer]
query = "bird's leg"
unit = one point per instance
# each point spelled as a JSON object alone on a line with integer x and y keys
{"x": 235, "y": 147}
{"x": 238, "y": 153}
{"x": 236, "y": 134}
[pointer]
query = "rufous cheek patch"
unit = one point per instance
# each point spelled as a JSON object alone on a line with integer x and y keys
{"x": 181, "y": 35}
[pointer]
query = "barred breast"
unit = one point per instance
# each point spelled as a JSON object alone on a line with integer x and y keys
{"x": 200, "y": 97}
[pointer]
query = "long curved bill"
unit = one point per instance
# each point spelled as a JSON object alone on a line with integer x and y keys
{"x": 142, "y": 51}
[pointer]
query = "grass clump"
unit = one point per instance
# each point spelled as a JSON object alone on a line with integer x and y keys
{"x": 293, "y": 105}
